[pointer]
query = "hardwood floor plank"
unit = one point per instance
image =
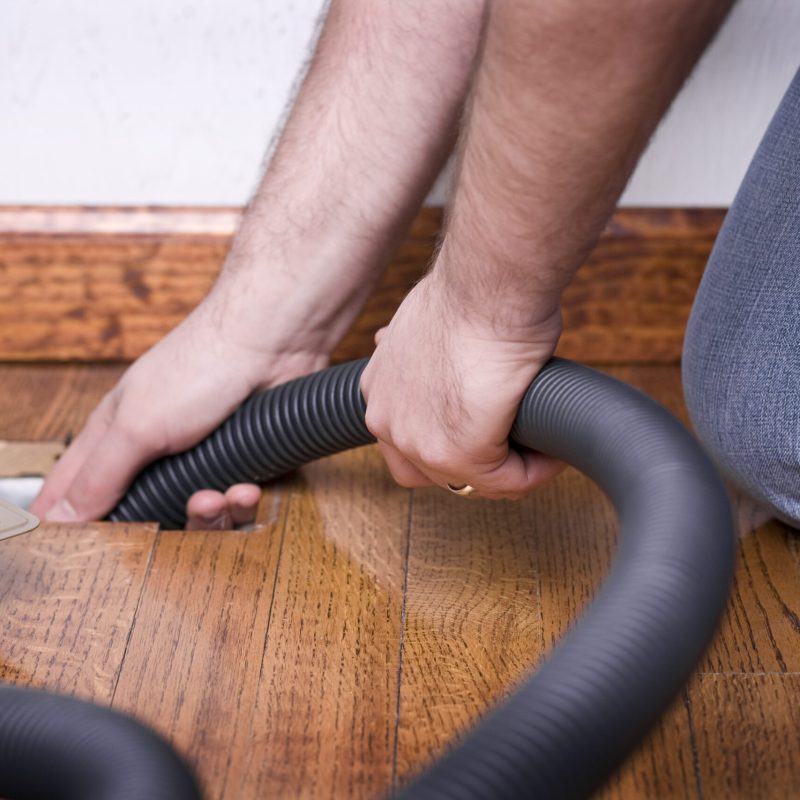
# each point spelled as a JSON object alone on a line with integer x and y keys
{"x": 663, "y": 765}
{"x": 51, "y": 401}
{"x": 761, "y": 628}
{"x": 326, "y": 708}
{"x": 748, "y": 735}
{"x": 193, "y": 660}
{"x": 273, "y": 658}
{"x": 574, "y": 552}
{"x": 554, "y": 549}
{"x": 473, "y": 616}
{"x": 577, "y": 541}
{"x": 68, "y": 595}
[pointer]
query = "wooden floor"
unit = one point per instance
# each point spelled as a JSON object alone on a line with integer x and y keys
{"x": 336, "y": 650}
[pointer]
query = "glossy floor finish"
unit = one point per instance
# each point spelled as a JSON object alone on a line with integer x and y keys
{"x": 337, "y": 649}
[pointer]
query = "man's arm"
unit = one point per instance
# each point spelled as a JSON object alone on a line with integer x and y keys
{"x": 374, "y": 120}
{"x": 565, "y": 98}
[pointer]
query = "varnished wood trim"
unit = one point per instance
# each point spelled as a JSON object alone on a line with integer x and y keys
{"x": 104, "y": 284}
{"x": 675, "y": 224}
{"x": 672, "y": 223}
{"x": 99, "y": 221}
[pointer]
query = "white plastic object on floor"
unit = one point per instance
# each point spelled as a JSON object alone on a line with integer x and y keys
{"x": 15, "y": 520}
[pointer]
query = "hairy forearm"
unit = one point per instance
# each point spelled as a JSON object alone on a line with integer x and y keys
{"x": 566, "y": 97}
{"x": 372, "y": 123}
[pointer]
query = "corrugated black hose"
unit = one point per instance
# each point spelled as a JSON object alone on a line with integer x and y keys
{"x": 568, "y": 726}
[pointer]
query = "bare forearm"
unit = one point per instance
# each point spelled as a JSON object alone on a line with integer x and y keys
{"x": 373, "y": 122}
{"x": 566, "y": 97}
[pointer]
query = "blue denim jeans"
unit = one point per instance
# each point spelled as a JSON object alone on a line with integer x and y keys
{"x": 741, "y": 357}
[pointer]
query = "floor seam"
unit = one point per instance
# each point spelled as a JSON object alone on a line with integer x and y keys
{"x": 752, "y": 674}
{"x": 289, "y": 496}
{"x": 698, "y": 779}
{"x": 128, "y": 638}
{"x": 401, "y": 645}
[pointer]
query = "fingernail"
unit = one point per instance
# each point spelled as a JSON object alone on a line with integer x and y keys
{"x": 62, "y": 511}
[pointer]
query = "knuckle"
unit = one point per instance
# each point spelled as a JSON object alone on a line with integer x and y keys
{"x": 89, "y": 486}
{"x": 140, "y": 429}
{"x": 404, "y": 444}
{"x": 439, "y": 459}
{"x": 403, "y": 479}
{"x": 365, "y": 382}
{"x": 105, "y": 411}
{"x": 376, "y": 424}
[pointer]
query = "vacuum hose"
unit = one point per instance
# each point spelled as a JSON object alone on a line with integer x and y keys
{"x": 568, "y": 726}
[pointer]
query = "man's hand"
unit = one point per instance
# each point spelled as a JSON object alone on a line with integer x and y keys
{"x": 562, "y": 102}
{"x": 364, "y": 141}
{"x": 564, "y": 98}
{"x": 443, "y": 388}
{"x": 167, "y": 401}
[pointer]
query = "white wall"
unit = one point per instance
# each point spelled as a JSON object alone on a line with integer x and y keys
{"x": 174, "y": 101}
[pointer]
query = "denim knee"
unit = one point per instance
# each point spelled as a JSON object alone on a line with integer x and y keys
{"x": 744, "y": 407}
{"x": 741, "y": 358}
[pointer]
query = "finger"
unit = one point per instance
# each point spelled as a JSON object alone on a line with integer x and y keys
{"x": 101, "y": 480}
{"x": 207, "y": 510}
{"x": 541, "y": 468}
{"x": 403, "y": 471}
{"x": 72, "y": 459}
{"x": 379, "y": 334}
{"x": 243, "y": 499}
{"x": 520, "y": 473}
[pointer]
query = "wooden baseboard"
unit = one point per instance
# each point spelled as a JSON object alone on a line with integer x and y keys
{"x": 100, "y": 284}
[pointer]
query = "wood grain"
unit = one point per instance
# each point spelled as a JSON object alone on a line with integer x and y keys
{"x": 351, "y": 638}
{"x": 68, "y": 597}
{"x": 748, "y": 735}
{"x": 194, "y": 658}
{"x": 761, "y": 629}
{"x": 473, "y": 618}
{"x": 325, "y": 716}
{"x": 77, "y": 220}
{"x": 50, "y": 401}
{"x": 106, "y": 284}
{"x": 663, "y": 766}
{"x": 487, "y": 597}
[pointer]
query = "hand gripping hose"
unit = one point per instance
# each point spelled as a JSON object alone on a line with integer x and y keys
{"x": 570, "y": 724}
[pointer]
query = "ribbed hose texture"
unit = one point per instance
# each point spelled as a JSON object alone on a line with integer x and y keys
{"x": 566, "y": 729}
{"x": 60, "y": 748}
{"x": 272, "y": 433}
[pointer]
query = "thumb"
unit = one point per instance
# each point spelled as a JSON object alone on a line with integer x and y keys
{"x": 102, "y": 480}
{"x": 520, "y": 473}
{"x": 379, "y": 334}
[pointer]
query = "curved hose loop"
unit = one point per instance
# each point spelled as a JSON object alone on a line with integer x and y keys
{"x": 566, "y": 728}
{"x": 59, "y": 748}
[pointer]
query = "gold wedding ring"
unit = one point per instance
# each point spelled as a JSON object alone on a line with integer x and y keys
{"x": 462, "y": 491}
